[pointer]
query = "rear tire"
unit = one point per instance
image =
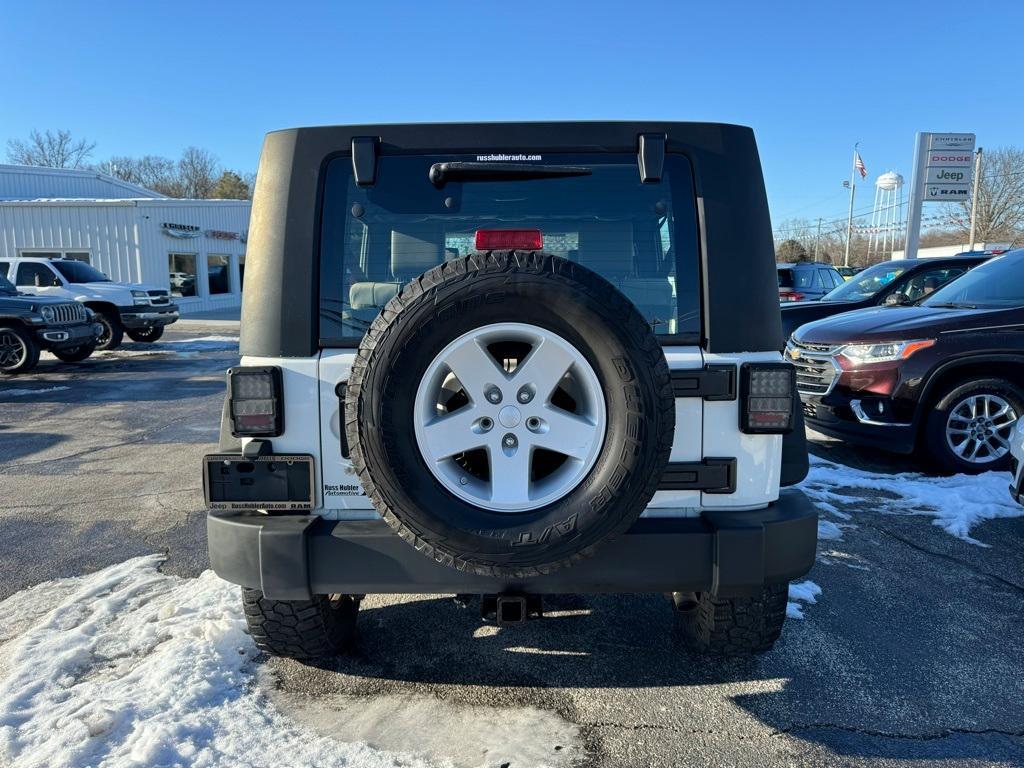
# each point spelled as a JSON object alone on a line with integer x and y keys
{"x": 19, "y": 352}
{"x": 952, "y": 411}
{"x": 151, "y": 334}
{"x": 75, "y": 354}
{"x": 301, "y": 629}
{"x": 732, "y": 626}
{"x": 113, "y": 331}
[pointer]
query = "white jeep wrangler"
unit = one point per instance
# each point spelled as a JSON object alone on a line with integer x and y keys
{"x": 141, "y": 311}
{"x": 510, "y": 360}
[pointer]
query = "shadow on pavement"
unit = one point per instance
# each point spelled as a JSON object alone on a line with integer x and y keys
{"x": 582, "y": 641}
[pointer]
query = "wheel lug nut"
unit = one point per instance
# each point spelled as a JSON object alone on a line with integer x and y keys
{"x": 509, "y": 441}
{"x": 525, "y": 394}
{"x": 493, "y": 395}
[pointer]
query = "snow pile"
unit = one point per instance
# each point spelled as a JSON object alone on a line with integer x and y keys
{"x": 801, "y": 592}
{"x": 129, "y": 667}
{"x": 179, "y": 347}
{"x": 957, "y": 503}
{"x": 28, "y": 392}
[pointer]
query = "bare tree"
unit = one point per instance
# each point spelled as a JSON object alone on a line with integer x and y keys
{"x": 198, "y": 172}
{"x": 1000, "y": 214}
{"x": 53, "y": 150}
{"x": 151, "y": 171}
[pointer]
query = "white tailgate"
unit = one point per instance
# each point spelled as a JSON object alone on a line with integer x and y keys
{"x": 343, "y": 496}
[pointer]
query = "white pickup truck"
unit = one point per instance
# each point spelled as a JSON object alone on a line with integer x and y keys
{"x": 141, "y": 311}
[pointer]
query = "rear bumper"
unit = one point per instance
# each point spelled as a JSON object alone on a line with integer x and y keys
{"x": 148, "y": 317}
{"x": 291, "y": 557}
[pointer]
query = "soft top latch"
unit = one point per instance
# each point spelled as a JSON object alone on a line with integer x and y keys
{"x": 364, "y": 160}
{"x": 651, "y": 156}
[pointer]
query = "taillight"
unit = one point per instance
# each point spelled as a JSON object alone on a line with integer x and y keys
{"x": 766, "y": 398}
{"x": 255, "y": 398}
{"x": 509, "y": 240}
{"x": 791, "y": 296}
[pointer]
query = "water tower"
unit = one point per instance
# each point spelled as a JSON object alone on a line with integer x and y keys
{"x": 886, "y": 230}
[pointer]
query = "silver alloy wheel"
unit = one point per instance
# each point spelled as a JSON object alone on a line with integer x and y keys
{"x": 509, "y": 434}
{"x": 978, "y": 428}
{"x": 12, "y": 350}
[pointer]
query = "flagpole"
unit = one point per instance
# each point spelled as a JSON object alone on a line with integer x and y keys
{"x": 849, "y": 218}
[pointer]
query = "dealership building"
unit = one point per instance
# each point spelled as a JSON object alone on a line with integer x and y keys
{"x": 196, "y": 248}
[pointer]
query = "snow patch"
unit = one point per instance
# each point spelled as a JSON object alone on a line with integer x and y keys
{"x": 128, "y": 667}
{"x": 801, "y": 592}
{"x": 828, "y": 531}
{"x": 956, "y": 503}
{"x": 29, "y": 392}
{"x": 187, "y": 348}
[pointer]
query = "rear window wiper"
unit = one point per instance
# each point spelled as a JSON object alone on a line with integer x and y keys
{"x": 442, "y": 173}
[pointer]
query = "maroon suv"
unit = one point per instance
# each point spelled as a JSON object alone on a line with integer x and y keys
{"x": 945, "y": 376}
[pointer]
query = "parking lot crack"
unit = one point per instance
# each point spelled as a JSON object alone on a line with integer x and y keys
{"x": 943, "y": 733}
{"x": 950, "y": 558}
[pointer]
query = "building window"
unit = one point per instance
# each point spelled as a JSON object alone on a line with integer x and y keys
{"x": 77, "y": 256}
{"x": 181, "y": 268}
{"x": 241, "y": 271}
{"x": 218, "y": 269}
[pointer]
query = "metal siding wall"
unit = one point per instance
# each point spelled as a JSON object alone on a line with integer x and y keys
{"x": 125, "y": 238}
{"x": 224, "y": 215}
{"x": 105, "y": 230}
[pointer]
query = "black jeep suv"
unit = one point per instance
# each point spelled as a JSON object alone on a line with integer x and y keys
{"x": 29, "y": 324}
{"x": 946, "y": 376}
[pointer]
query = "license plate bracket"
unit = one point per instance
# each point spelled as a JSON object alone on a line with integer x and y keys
{"x": 276, "y": 482}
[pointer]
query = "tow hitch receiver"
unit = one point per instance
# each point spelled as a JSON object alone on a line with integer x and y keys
{"x": 510, "y": 609}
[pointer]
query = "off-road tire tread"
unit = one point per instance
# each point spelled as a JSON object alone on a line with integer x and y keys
{"x": 736, "y": 626}
{"x": 462, "y": 270}
{"x": 300, "y": 629}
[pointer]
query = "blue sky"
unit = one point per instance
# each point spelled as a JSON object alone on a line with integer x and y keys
{"x": 811, "y": 78}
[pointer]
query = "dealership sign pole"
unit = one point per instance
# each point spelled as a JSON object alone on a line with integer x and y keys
{"x": 943, "y": 165}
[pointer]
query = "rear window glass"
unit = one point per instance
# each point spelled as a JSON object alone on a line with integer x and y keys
{"x": 640, "y": 237}
{"x": 785, "y": 278}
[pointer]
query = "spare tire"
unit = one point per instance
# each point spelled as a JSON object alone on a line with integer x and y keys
{"x": 508, "y": 413}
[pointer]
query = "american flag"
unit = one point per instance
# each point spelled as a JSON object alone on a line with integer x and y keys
{"x": 859, "y": 165}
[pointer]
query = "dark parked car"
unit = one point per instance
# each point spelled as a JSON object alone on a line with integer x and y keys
{"x": 946, "y": 375}
{"x": 806, "y": 282}
{"x": 891, "y": 282}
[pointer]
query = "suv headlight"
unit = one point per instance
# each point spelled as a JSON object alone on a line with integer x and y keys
{"x": 47, "y": 313}
{"x": 140, "y": 297}
{"x": 885, "y": 352}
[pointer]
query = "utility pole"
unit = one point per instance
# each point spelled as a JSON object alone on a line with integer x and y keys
{"x": 849, "y": 218}
{"x": 974, "y": 197}
{"x": 817, "y": 239}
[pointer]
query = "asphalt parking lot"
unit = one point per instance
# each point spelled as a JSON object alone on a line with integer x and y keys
{"x": 913, "y": 653}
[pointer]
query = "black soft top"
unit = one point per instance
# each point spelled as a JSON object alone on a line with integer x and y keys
{"x": 739, "y": 291}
